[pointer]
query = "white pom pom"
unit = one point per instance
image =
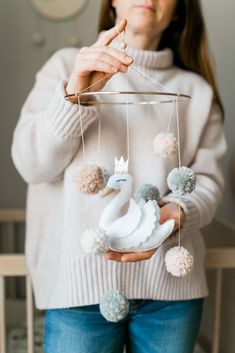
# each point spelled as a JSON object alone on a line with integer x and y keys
{"x": 94, "y": 241}
{"x": 179, "y": 262}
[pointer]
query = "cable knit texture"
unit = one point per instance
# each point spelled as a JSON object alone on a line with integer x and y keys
{"x": 47, "y": 149}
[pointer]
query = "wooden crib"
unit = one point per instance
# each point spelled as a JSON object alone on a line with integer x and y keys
{"x": 13, "y": 265}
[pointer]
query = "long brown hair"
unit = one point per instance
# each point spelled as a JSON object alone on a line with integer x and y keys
{"x": 186, "y": 36}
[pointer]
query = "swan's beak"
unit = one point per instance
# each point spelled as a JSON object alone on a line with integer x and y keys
{"x": 106, "y": 191}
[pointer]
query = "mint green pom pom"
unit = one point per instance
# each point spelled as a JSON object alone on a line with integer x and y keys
{"x": 147, "y": 192}
{"x": 181, "y": 181}
{"x": 114, "y": 306}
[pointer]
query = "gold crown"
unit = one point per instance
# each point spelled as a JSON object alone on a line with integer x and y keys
{"x": 121, "y": 166}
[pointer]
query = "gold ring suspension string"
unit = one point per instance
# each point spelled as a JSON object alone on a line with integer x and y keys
{"x": 165, "y": 90}
{"x": 82, "y": 135}
{"x": 179, "y": 160}
{"x": 123, "y": 47}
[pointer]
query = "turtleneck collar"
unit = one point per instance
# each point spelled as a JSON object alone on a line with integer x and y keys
{"x": 150, "y": 59}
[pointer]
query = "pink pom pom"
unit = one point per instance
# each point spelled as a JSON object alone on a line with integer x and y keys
{"x": 89, "y": 178}
{"x": 165, "y": 144}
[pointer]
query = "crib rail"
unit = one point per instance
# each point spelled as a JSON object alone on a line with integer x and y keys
{"x": 218, "y": 259}
{"x": 13, "y": 265}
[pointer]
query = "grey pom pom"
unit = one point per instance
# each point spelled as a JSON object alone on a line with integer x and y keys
{"x": 181, "y": 181}
{"x": 106, "y": 175}
{"x": 147, "y": 192}
{"x": 114, "y": 306}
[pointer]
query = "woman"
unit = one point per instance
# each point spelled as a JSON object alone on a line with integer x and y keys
{"x": 167, "y": 39}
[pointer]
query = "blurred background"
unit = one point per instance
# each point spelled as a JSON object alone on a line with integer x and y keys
{"x": 28, "y": 38}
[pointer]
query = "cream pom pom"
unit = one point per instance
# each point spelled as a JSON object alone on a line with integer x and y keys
{"x": 165, "y": 144}
{"x": 90, "y": 178}
{"x": 179, "y": 262}
{"x": 94, "y": 241}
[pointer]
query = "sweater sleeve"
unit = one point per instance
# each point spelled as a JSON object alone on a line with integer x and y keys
{"x": 200, "y": 206}
{"x": 48, "y": 132}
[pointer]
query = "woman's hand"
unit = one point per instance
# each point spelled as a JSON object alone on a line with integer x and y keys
{"x": 95, "y": 62}
{"x": 169, "y": 211}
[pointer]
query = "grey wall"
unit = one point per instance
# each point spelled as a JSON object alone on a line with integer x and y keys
{"x": 20, "y": 59}
{"x": 221, "y": 29}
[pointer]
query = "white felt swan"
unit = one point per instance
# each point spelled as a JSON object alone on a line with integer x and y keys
{"x": 139, "y": 228}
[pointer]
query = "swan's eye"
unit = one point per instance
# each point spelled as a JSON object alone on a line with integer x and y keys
{"x": 120, "y": 180}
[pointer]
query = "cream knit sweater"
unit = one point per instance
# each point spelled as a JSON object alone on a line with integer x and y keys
{"x": 47, "y": 149}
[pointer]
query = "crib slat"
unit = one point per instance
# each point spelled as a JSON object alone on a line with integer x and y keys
{"x": 16, "y": 215}
{"x": 10, "y": 246}
{"x": 2, "y": 316}
{"x": 220, "y": 258}
{"x": 30, "y": 323}
{"x": 218, "y": 295}
{"x": 13, "y": 265}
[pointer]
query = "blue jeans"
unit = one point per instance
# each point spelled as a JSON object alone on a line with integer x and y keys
{"x": 151, "y": 326}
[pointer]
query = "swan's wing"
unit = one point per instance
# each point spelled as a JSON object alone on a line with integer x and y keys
{"x": 144, "y": 230}
{"x": 157, "y": 210}
{"x": 127, "y": 223}
{"x": 141, "y": 203}
{"x": 161, "y": 233}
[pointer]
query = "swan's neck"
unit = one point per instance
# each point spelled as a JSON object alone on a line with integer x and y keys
{"x": 112, "y": 210}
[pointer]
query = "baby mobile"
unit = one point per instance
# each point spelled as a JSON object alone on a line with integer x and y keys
{"x": 139, "y": 229}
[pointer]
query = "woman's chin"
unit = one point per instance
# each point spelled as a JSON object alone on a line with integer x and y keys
{"x": 140, "y": 21}
{"x": 146, "y": 28}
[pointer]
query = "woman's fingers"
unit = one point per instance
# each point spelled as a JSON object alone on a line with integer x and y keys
{"x": 100, "y": 55}
{"x": 114, "y": 53}
{"x": 130, "y": 257}
{"x": 112, "y": 33}
{"x": 89, "y": 65}
{"x": 172, "y": 211}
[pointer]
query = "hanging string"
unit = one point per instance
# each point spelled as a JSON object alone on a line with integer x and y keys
{"x": 170, "y": 119}
{"x": 82, "y": 134}
{"x": 127, "y": 125}
{"x": 154, "y": 82}
{"x": 133, "y": 67}
{"x": 95, "y": 83}
{"x": 123, "y": 46}
{"x": 179, "y": 157}
{"x": 99, "y": 141}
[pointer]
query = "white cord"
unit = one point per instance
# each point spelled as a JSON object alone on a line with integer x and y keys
{"x": 127, "y": 125}
{"x": 170, "y": 119}
{"x": 179, "y": 157}
{"x": 82, "y": 135}
{"x": 99, "y": 141}
{"x": 154, "y": 82}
